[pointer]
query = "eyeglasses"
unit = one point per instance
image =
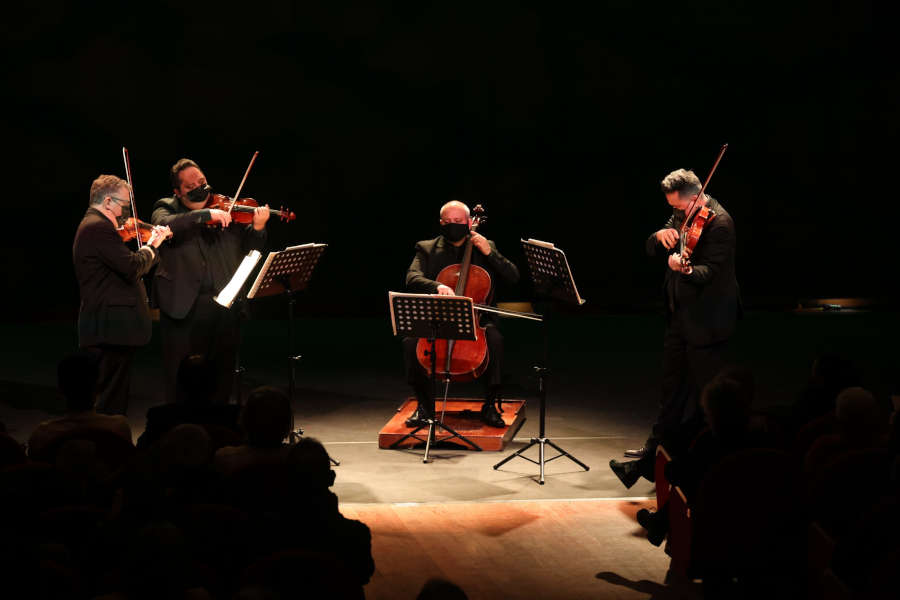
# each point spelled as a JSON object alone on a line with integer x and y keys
{"x": 120, "y": 201}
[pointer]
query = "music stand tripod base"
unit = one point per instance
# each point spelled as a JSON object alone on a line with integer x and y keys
{"x": 541, "y": 441}
{"x": 433, "y": 317}
{"x": 551, "y": 276}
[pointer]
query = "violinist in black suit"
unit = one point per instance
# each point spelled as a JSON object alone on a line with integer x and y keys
{"x": 113, "y": 319}
{"x": 431, "y": 257}
{"x": 202, "y": 259}
{"x": 702, "y": 305}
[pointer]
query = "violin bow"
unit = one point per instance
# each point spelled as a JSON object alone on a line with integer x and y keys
{"x": 689, "y": 212}
{"x": 237, "y": 194}
{"x": 137, "y": 234}
{"x": 705, "y": 183}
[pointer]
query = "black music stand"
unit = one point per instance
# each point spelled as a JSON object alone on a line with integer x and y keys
{"x": 226, "y": 298}
{"x": 552, "y": 279}
{"x": 433, "y": 317}
{"x": 288, "y": 272}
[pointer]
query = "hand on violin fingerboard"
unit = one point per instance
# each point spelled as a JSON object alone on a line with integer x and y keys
{"x": 667, "y": 237}
{"x": 159, "y": 235}
{"x": 676, "y": 264}
{"x": 260, "y": 216}
{"x": 444, "y": 290}
{"x": 481, "y": 243}
{"x": 220, "y": 216}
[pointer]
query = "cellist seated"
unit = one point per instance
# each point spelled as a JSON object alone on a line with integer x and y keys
{"x": 432, "y": 256}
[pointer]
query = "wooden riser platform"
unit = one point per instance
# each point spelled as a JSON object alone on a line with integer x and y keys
{"x": 463, "y": 416}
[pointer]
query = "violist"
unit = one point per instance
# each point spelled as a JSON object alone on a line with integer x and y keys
{"x": 702, "y": 306}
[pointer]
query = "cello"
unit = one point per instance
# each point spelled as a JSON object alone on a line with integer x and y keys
{"x": 463, "y": 360}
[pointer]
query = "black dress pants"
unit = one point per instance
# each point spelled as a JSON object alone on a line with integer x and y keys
{"x": 492, "y": 377}
{"x": 686, "y": 370}
{"x": 209, "y": 330}
{"x": 113, "y": 378}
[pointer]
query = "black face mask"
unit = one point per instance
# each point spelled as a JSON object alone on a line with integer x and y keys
{"x": 126, "y": 214}
{"x": 198, "y": 194}
{"x": 454, "y": 232}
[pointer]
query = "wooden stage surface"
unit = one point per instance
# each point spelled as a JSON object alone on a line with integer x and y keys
{"x": 556, "y": 549}
{"x": 462, "y": 415}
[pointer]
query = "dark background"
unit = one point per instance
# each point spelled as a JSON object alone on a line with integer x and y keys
{"x": 560, "y": 120}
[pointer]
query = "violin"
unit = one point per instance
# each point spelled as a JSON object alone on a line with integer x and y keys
{"x": 695, "y": 220}
{"x": 242, "y": 210}
{"x": 463, "y": 360}
{"x": 134, "y": 228}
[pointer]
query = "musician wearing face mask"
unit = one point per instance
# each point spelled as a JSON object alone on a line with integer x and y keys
{"x": 702, "y": 306}
{"x": 208, "y": 249}
{"x": 431, "y": 257}
{"x": 114, "y": 319}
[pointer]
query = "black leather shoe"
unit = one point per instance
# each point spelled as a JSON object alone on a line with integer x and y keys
{"x": 490, "y": 416}
{"x": 655, "y": 524}
{"x": 636, "y": 453}
{"x": 627, "y": 472}
{"x": 418, "y": 418}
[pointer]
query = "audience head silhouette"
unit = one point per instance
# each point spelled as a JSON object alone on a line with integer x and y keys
{"x": 186, "y": 447}
{"x": 195, "y": 382}
{"x": 726, "y": 405}
{"x": 744, "y": 377}
{"x": 267, "y": 417}
{"x": 441, "y": 589}
{"x": 77, "y": 380}
{"x": 310, "y": 464}
{"x": 858, "y": 414}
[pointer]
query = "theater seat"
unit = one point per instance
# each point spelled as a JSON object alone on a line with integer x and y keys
{"x": 748, "y": 521}
{"x": 663, "y": 487}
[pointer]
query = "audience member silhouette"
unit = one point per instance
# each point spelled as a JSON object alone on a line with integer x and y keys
{"x": 157, "y": 564}
{"x": 267, "y": 421}
{"x": 321, "y": 526}
{"x": 726, "y": 405}
{"x": 177, "y": 471}
{"x": 629, "y": 472}
{"x": 194, "y": 394}
{"x": 77, "y": 381}
{"x": 861, "y": 423}
{"x": 830, "y": 374}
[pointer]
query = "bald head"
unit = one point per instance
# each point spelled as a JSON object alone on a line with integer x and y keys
{"x": 454, "y": 211}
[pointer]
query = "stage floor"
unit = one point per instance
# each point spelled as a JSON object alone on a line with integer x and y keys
{"x": 601, "y": 398}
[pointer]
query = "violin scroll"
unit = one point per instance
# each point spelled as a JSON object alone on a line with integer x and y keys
{"x": 478, "y": 216}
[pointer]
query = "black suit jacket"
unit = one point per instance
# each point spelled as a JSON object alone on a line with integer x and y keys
{"x": 707, "y": 301}
{"x": 433, "y": 255}
{"x": 197, "y": 255}
{"x": 114, "y": 307}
